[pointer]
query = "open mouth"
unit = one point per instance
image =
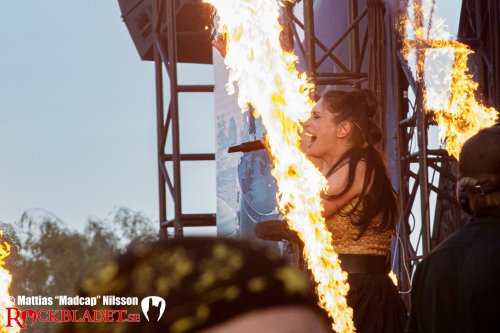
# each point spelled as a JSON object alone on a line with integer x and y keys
{"x": 311, "y": 136}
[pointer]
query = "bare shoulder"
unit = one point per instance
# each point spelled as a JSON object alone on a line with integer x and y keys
{"x": 337, "y": 186}
{"x": 338, "y": 180}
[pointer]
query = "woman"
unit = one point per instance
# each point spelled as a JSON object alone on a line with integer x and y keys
{"x": 360, "y": 206}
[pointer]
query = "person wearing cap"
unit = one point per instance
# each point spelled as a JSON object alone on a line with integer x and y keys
{"x": 203, "y": 284}
{"x": 456, "y": 287}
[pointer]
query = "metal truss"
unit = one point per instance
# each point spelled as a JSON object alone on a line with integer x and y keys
{"x": 165, "y": 54}
{"x": 164, "y": 15}
{"x": 365, "y": 37}
{"x": 426, "y": 175}
{"x": 366, "y": 66}
{"x": 419, "y": 231}
{"x": 422, "y": 175}
{"x": 315, "y": 52}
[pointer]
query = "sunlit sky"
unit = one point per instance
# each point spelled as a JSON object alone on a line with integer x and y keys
{"x": 77, "y": 114}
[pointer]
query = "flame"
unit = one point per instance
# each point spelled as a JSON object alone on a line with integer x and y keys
{"x": 268, "y": 81}
{"x": 5, "y": 280}
{"x": 456, "y": 110}
{"x": 393, "y": 278}
{"x": 465, "y": 116}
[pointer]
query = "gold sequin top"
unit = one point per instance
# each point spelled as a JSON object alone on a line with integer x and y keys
{"x": 344, "y": 234}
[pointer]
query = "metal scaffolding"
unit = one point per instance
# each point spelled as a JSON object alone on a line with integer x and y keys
{"x": 427, "y": 175}
{"x": 357, "y": 71}
{"x": 166, "y": 56}
{"x": 374, "y": 59}
{"x": 364, "y": 38}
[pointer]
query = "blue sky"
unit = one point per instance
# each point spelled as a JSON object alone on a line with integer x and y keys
{"x": 77, "y": 122}
{"x": 77, "y": 114}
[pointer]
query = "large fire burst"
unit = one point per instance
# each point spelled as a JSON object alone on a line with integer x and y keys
{"x": 267, "y": 79}
{"x": 461, "y": 115}
{"x": 5, "y": 280}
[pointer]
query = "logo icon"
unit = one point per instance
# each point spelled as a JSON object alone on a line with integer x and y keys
{"x": 153, "y": 307}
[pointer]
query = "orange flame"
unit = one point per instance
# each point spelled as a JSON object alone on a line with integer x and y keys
{"x": 267, "y": 80}
{"x": 393, "y": 278}
{"x": 5, "y": 280}
{"x": 465, "y": 116}
{"x": 462, "y": 116}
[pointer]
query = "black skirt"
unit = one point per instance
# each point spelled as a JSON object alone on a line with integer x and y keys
{"x": 375, "y": 300}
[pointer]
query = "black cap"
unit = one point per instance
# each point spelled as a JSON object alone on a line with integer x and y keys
{"x": 481, "y": 153}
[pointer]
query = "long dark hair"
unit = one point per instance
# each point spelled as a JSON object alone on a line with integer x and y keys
{"x": 377, "y": 194}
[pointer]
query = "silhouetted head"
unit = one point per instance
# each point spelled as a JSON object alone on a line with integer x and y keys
{"x": 204, "y": 285}
{"x": 479, "y": 171}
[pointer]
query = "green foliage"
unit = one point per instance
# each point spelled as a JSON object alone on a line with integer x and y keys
{"x": 47, "y": 258}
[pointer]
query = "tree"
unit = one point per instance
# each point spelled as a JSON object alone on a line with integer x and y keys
{"x": 47, "y": 258}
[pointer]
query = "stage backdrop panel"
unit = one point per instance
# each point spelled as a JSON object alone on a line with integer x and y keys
{"x": 246, "y": 191}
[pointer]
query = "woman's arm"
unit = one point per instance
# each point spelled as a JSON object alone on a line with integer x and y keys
{"x": 337, "y": 182}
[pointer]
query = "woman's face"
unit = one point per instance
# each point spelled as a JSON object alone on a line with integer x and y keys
{"x": 321, "y": 130}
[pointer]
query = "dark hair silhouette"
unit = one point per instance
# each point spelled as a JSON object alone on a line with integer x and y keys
{"x": 377, "y": 194}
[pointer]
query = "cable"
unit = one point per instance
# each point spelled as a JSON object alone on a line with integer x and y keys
{"x": 400, "y": 246}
